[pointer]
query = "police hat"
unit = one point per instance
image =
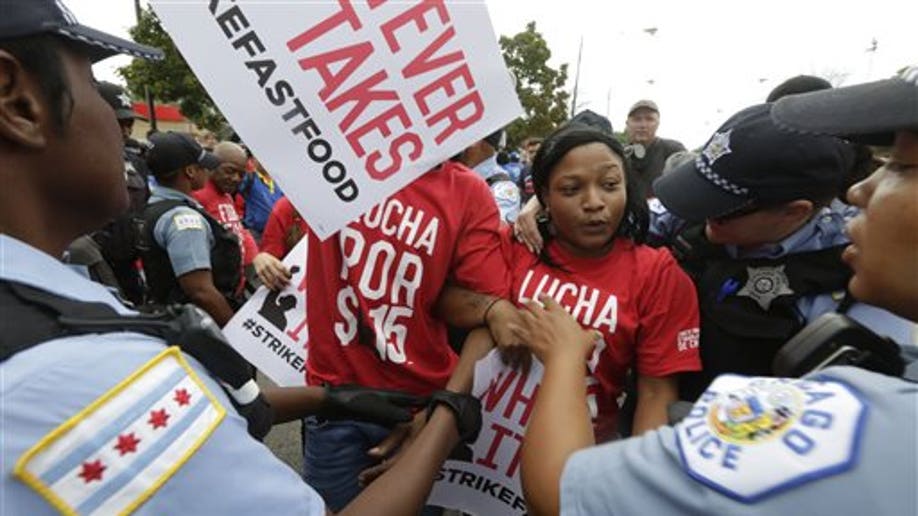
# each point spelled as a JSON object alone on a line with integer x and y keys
{"x": 20, "y": 18}
{"x": 751, "y": 162}
{"x": 118, "y": 99}
{"x": 868, "y": 113}
{"x": 172, "y": 151}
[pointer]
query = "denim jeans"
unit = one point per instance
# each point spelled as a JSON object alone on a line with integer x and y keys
{"x": 334, "y": 454}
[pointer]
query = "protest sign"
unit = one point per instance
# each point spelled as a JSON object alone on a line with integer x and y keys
{"x": 347, "y": 102}
{"x": 486, "y": 480}
{"x": 270, "y": 329}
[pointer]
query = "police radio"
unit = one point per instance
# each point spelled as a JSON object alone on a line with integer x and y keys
{"x": 833, "y": 340}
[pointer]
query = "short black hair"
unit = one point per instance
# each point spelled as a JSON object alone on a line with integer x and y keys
{"x": 636, "y": 218}
{"x": 40, "y": 55}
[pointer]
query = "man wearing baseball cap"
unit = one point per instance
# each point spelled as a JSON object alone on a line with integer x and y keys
{"x": 117, "y": 241}
{"x": 648, "y": 152}
{"x": 100, "y": 416}
{"x": 754, "y": 220}
{"x": 188, "y": 256}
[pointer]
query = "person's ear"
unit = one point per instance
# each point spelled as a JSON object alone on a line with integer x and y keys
{"x": 23, "y": 111}
{"x": 799, "y": 209}
{"x": 189, "y": 172}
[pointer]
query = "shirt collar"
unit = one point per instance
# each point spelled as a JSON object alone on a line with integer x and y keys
{"x": 821, "y": 230}
{"x": 165, "y": 193}
{"x": 23, "y": 263}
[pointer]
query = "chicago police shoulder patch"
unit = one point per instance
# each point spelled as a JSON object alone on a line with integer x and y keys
{"x": 187, "y": 220}
{"x": 749, "y": 438}
{"x": 114, "y": 454}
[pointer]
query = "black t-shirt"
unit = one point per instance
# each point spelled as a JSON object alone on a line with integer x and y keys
{"x": 651, "y": 165}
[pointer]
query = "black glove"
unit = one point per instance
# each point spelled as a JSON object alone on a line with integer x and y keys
{"x": 383, "y": 407}
{"x": 467, "y": 409}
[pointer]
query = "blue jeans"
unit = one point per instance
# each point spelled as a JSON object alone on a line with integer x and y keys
{"x": 334, "y": 454}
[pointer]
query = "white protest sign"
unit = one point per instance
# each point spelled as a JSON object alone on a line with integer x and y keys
{"x": 347, "y": 102}
{"x": 270, "y": 329}
{"x": 487, "y": 480}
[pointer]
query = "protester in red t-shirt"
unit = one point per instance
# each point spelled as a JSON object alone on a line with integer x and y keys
{"x": 372, "y": 294}
{"x": 217, "y": 196}
{"x": 637, "y": 298}
{"x": 285, "y": 227}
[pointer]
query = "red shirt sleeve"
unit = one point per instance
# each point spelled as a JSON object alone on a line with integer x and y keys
{"x": 274, "y": 237}
{"x": 478, "y": 263}
{"x": 667, "y": 336}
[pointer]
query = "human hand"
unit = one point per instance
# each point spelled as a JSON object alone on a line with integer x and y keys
{"x": 391, "y": 449}
{"x": 380, "y": 406}
{"x": 526, "y": 228}
{"x": 501, "y": 318}
{"x": 271, "y": 271}
{"x": 553, "y": 334}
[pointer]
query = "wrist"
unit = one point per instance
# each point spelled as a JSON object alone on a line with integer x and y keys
{"x": 494, "y": 309}
{"x": 465, "y": 408}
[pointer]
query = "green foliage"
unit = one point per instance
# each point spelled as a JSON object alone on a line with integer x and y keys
{"x": 169, "y": 80}
{"x": 540, "y": 87}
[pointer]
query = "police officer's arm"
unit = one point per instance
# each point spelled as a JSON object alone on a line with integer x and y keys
{"x": 383, "y": 407}
{"x": 654, "y": 396}
{"x": 187, "y": 239}
{"x": 199, "y": 286}
{"x": 404, "y": 488}
{"x": 563, "y": 346}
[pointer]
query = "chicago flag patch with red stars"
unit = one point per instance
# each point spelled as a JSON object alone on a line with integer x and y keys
{"x": 115, "y": 453}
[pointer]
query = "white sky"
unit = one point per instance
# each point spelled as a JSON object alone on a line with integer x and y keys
{"x": 707, "y": 60}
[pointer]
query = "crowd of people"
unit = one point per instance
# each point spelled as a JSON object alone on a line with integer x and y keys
{"x": 645, "y": 278}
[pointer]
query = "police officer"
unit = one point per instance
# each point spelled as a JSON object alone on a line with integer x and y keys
{"x": 111, "y": 422}
{"x": 188, "y": 256}
{"x": 119, "y": 239}
{"x": 840, "y": 441}
{"x": 763, "y": 241}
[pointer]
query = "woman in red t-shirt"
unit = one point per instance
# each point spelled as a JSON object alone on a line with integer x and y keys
{"x": 594, "y": 265}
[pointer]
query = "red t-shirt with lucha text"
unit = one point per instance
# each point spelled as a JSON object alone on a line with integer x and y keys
{"x": 373, "y": 286}
{"x": 636, "y": 296}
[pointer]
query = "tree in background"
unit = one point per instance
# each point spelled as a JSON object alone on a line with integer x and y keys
{"x": 169, "y": 80}
{"x": 540, "y": 87}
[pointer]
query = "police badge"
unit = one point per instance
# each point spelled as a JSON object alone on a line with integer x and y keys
{"x": 765, "y": 284}
{"x": 718, "y": 147}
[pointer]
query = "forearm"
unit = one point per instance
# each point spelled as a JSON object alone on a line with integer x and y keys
{"x": 654, "y": 397}
{"x": 292, "y": 403}
{"x": 548, "y": 444}
{"x": 462, "y": 307}
{"x": 212, "y": 301}
{"x": 413, "y": 475}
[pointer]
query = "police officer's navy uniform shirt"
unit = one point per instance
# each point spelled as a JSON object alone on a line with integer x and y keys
{"x": 184, "y": 233}
{"x": 506, "y": 193}
{"x": 708, "y": 464}
{"x": 827, "y": 229}
{"x": 177, "y": 456}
